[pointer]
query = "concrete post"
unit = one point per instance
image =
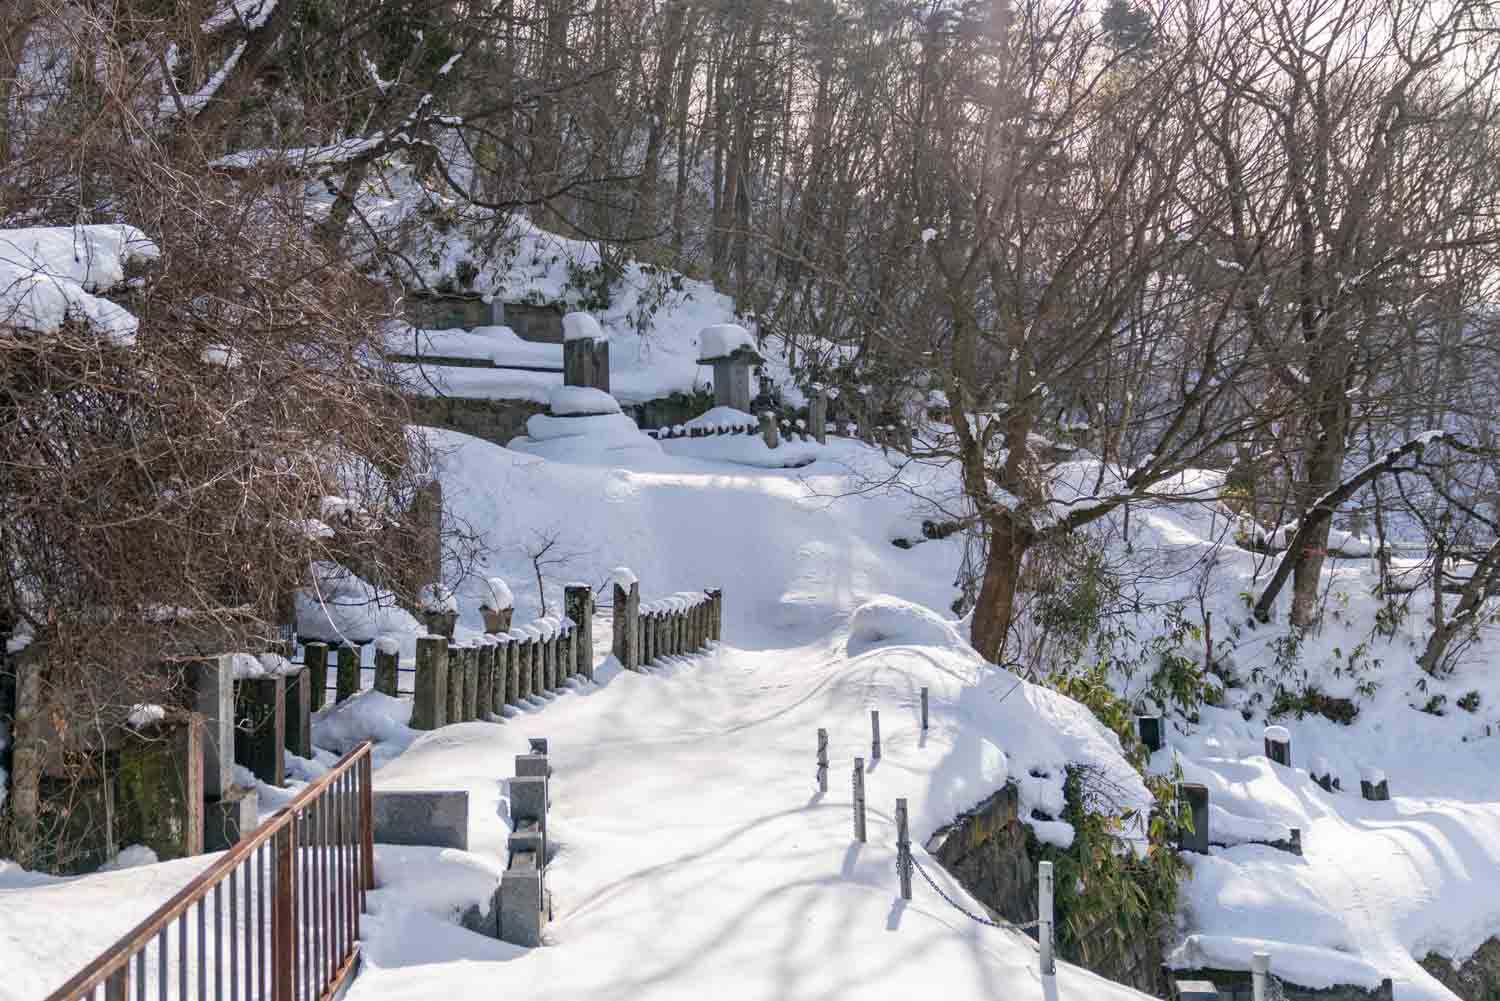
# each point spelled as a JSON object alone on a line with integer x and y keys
{"x": 315, "y": 663}
{"x": 523, "y": 667}
{"x": 230, "y": 817}
{"x": 159, "y": 787}
{"x": 1149, "y": 729}
{"x": 470, "y": 660}
{"x": 1260, "y": 969}
{"x": 387, "y": 670}
{"x": 716, "y": 629}
{"x": 578, "y": 601}
{"x": 212, "y": 684}
{"x": 822, "y": 760}
{"x": 299, "y": 714}
{"x": 430, "y": 695}
{"x": 648, "y": 637}
{"x": 1279, "y": 745}
{"x": 1373, "y": 785}
{"x": 455, "y": 708}
{"x": 769, "y": 431}
{"x": 553, "y": 681}
{"x": 348, "y": 676}
{"x": 817, "y": 415}
{"x": 520, "y": 901}
{"x": 538, "y": 667}
{"x": 512, "y": 656}
{"x": 1195, "y": 796}
{"x": 903, "y": 849}
{"x": 260, "y": 727}
{"x": 1322, "y": 774}
{"x": 1044, "y": 918}
{"x": 484, "y": 688}
{"x": 874, "y": 735}
{"x": 586, "y": 363}
{"x": 627, "y": 611}
{"x": 859, "y": 800}
{"x": 924, "y": 708}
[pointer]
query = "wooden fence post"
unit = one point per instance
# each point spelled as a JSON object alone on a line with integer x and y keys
{"x": 387, "y": 667}
{"x": 578, "y": 601}
{"x": 348, "y": 675}
{"x": 430, "y": 697}
{"x": 627, "y": 610}
{"x": 315, "y": 663}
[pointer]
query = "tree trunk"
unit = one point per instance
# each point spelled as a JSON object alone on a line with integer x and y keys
{"x": 30, "y": 736}
{"x": 1479, "y": 588}
{"x": 644, "y": 221}
{"x": 995, "y": 610}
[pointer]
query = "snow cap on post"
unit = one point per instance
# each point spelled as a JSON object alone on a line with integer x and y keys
{"x": 581, "y": 327}
{"x": 718, "y": 341}
{"x": 624, "y": 577}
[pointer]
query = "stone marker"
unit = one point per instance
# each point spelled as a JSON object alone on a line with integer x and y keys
{"x": 1196, "y": 798}
{"x": 260, "y": 727}
{"x": 1373, "y": 785}
{"x": 430, "y": 697}
{"x": 438, "y": 818}
{"x": 159, "y": 787}
{"x": 520, "y": 905}
{"x": 1279, "y": 745}
{"x": 348, "y": 674}
{"x": 578, "y": 602}
{"x": 315, "y": 663}
{"x": 299, "y": 714}
{"x": 230, "y": 817}
{"x": 387, "y": 669}
{"x": 1322, "y": 774}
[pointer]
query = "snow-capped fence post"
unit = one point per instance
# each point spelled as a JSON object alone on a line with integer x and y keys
{"x": 716, "y": 629}
{"x": 387, "y": 666}
{"x": 578, "y": 603}
{"x": 924, "y": 708}
{"x": 453, "y": 711}
{"x": 1149, "y": 730}
{"x": 817, "y": 414}
{"x": 1322, "y": 774}
{"x": 1044, "y": 928}
{"x": 1260, "y": 966}
{"x": 299, "y": 714}
{"x": 212, "y": 683}
{"x": 512, "y": 658}
{"x": 627, "y": 611}
{"x": 348, "y": 673}
{"x": 1196, "y": 839}
{"x": 874, "y": 735}
{"x": 822, "y": 760}
{"x": 859, "y": 800}
{"x": 430, "y": 695}
{"x": 315, "y": 663}
{"x": 550, "y": 671}
{"x": 1373, "y": 785}
{"x": 260, "y": 727}
{"x": 648, "y": 636}
{"x": 538, "y": 664}
{"x": 568, "y": 650}
{"x": 471, "y": 681}
{"x": 1279, "y": 745}
{"x": 903, "y": 849}
{"x": 768, "y": 429}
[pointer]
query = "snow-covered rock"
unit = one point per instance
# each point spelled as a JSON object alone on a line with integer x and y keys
{"x": 581, "y": 327}
{"x": 720, "y": 340}
{"x": 581, "y": 401}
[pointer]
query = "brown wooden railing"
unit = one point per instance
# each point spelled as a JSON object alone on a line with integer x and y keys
{"x": 276, "y": 918}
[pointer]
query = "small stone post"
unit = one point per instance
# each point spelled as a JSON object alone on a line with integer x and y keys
{"x": 924, "y": 708}
{"x": 874, "y": 735}
{"x": 455, "y": 709}
{"x": 213, "y": 699}
{"x": 484, "y": 688}
{"x": 768, "y": 430}
{"x": 299, "y": 714}
{"x": 315, "y": 663}
{"x": 627, "y": 612}
{"x": 1322, "y": 774}
{"x": 903, "y": 849}
{"x": 817, "y": 414}
{"x": 859, "y": 800}
{"x": 348, "y": 676}
{"x": 1373, "y": 785}
{"x": 260, "y": 727}
{"x": 1196, "y": 798}
{"x": 1279, "y": 745}
{"x": 523, "y": 666}
{"x": 578, "y": 601}
{"x": 822, "y": 760}
{"x": 430, "y": 695}
{"x": 1044, "y": 926}
{"x": 470, "y": 661}
{"x": 500, "y": 692}
{"x": 549, "y": 672}
{"x": 387, "y": 667}
{"x": 716, "y": 627}
{"x": 1260, "y": 968}
{"x": 1149, "y": 728}
{"x": 648, "y": 637}
{"x": 538, "y": 662}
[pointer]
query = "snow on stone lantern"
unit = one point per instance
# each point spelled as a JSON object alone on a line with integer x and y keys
{"x": 730, "y": 349}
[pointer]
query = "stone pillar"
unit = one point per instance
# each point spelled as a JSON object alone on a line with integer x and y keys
{"x": 768, "y": 430}
{"x": 554, "y": 660}
{"x": 522, "y": 668}
{"x": 569, "y": 652}
{"x": 484, "y": 687}
{"x": 521, "y": 901}
{"x": 212, "y": 684}
{"x": 455, "y": 708}
{"x": 260, "y": 727}
{"x": 627, "y": 611}
{"x": 299, "y": 714}
{"x": 512, "y": 670}
{"x": 586, "y": 363}
{"x": 817, "y": 415}
{"x": 716, "y": 613}
{"x": 578, "y": 603}
{"x": 315, "y": 663}
{"x": 1279, "y": 745}
{"x": 387, "y": 668}
{"x": 430, "y": 695}
{"x": 159, "y": 787}
{"x": 538, "y": 665}
{"x": 1195, "y": 797}
{"x": 470, "y": 660}
{"x": 1373, "y": 785}
{"x": 230, "y": 817}
{"x": 348, "y": 677}
{"x": 648, "y": 637}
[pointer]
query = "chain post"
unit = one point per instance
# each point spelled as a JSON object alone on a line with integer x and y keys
{"x": 859, "y": 800}
{"x": 903, "y": 849}
{"x": 822, "y": 760}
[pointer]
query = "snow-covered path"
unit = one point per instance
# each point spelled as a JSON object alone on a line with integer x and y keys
{"x": 694, "y": 855}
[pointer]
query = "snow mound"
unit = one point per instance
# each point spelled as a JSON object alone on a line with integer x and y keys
{"x": 891, "y": 621}
{"x": 129, "y": 858}
{"x": 581, "y": 327}
{"x": 49, "y": 275}
{"x": 370, "y": 715}
{"x": 720, "y": 340}
{"x": 581, "y": 401}
{"x": 593, "y": 438}
{"x": 722, "y": 419}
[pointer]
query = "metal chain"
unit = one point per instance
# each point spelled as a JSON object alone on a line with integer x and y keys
{"x": 912, "y": 861}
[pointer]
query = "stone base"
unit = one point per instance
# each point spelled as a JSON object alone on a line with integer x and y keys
{"x": 422, "y": 818}
{"x": 228, "y": 819}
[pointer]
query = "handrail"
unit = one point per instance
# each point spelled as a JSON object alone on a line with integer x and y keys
{"x": 337, "y": 871}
